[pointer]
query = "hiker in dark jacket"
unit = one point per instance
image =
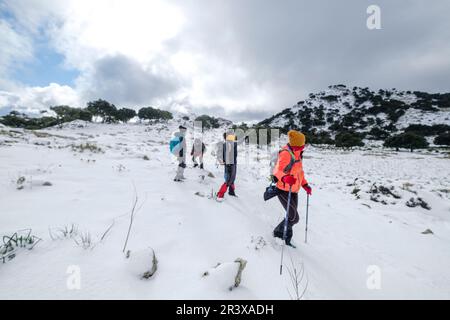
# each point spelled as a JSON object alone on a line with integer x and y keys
{"x": 227, "y": 156}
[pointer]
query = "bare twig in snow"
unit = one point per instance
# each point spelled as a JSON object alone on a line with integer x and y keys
{"x": 296, "y": 276}
{"x": 133, "y": 212}
{"x": 107, "y": 230}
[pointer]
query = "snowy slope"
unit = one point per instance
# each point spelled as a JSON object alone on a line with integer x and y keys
{"x": 358, "y": 109}
{"x": 191, "y": 234}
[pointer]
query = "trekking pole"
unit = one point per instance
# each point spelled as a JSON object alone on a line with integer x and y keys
{"x": 306, "y": 227}
{"x": 285, "y": 228}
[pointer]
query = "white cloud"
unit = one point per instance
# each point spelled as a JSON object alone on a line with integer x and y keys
{"x": 33, "y": 15}
{"x": 137, "y": 29}
{"x": 14, "y": 48}
{"x": 34, "y": 99}
{"x": 242, "y": 57}
{"x": 169, "y": 54}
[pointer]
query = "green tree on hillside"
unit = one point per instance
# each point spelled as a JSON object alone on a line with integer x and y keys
{"x": 407, "y": 140}
{"x": 103, "y": 109}
{"x": 443, "y": 139}
{"x": 150, "y": 113}
{"x": 67, "y": 114}
{"x": 125, "y": 114}
{"x": 348, "y": 140}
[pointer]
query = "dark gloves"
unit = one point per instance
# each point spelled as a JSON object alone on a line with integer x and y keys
{"x": 308, "y": 189}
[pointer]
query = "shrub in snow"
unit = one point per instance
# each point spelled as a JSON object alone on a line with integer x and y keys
{"x": 63, "y": 233}
{"x": 86, "y": 147}
{"x": 425, "y": 130}
{"x": 355, "y": 191}
{"x": 84, "y": 240}
{"x": 209, "y": 122}
{"x": 20, "y": 182}
{"x": 120, "y": 167}
{"x": 379, "y": 189}
{"x": 377, "y": 134}
{"x": 348, "y": 140}
{"x": 443, "y": 139}
{"x": 331, "y": 98}
{"x": 20, "y": 239}
{"x": 319, "y": 137}
{"x": 416, "y": 202}
{"x": 407, "y": 140}
{"x": 407, "y": 187}
{"x": 380, "y": 193}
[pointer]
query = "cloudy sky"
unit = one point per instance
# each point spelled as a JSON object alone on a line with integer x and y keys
{"x": 242, "y": 59}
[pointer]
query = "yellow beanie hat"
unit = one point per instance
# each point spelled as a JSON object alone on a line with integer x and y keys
{"x": 296, "y": 139}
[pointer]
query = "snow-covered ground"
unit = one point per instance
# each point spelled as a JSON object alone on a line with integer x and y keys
{"x": 363, "y": 241}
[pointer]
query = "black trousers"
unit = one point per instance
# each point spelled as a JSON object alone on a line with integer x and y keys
{"x": 230, "y": 174}
{"x": 293, "y": 216}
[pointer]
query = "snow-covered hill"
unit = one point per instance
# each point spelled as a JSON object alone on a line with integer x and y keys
{"x": 86, "y": 176}
{"x": 372, "y": 114}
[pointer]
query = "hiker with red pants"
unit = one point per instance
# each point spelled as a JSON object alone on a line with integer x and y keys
{"x": 288, "y": 175}
{"x": 227, "y": 156}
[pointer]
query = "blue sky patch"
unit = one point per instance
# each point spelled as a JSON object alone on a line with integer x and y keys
{"x": 46, "y": 67}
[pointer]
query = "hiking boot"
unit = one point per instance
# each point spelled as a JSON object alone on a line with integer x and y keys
{"x": 290, "y": 244}
{"x": 201, "y": 165}
{"x": 231, "y": 191}
{"x": 196, "y": 165}
{"x": 279, "y": 230}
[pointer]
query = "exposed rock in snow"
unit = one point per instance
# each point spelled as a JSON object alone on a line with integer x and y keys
{"x": 226, "y": 275}
{"x": 142, "y": 263}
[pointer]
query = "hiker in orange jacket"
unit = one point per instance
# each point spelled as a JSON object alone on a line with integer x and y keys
{"x": 288, "y": 174}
